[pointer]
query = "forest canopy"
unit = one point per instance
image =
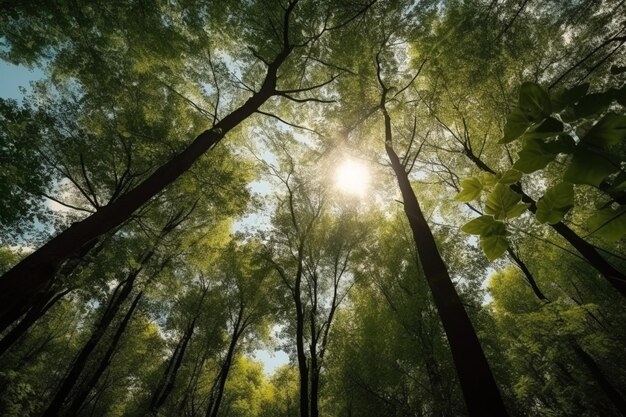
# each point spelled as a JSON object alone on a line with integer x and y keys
{"x": 420, "y": 204}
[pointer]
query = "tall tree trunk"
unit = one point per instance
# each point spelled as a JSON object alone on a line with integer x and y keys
{"x": 303, "y": 368}
{"x": 166, "y": 384}
{"x": 603, "y": 382}
{"x": 84, "y": 391}
{"x": 44, "y": 303}
{"x": 616, "y": 278}
{"x": 120, "y": 294}
{"x": 32, "y": 274}
{"x": 217, "y": 393}
{"x": 478, "y": 385}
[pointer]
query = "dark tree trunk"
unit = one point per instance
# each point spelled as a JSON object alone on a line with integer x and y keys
{"x": 605, "y": 385}
{"x": 35, "y": 300}
{"x": 478, "y": 385}
{"x": 32, "y": 274}
{"x": 303, "y": 368}
{"x": 616, "y": 278}
{"x": 84, "y": 391}
{"x": 217, "y": 393}
{"x": 44, "y": 303}
{"x": 120, "y": 294}
{"x": 529, "y": 276}
{"x": 166, "y": 384}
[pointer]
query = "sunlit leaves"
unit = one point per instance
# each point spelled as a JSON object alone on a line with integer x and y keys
{"x": 609, "y": 224}
{"x": 555, "y": 203}
{"x": 493, "y": 246}
{"x": 471, "y": 189}
{"x": 492, "y": 235}
{"x": 484, "y": 225}
{"x": 510, "y": 177}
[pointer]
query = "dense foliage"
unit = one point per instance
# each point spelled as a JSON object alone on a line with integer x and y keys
{"x": 174, "y": 206}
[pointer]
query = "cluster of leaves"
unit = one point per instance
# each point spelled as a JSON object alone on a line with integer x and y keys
{"x": 572, "y": 127}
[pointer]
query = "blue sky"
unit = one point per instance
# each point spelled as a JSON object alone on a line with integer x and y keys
{"x": 12, "y": 77}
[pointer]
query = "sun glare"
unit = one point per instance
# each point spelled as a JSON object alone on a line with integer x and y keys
{"x": 352, "y": 178}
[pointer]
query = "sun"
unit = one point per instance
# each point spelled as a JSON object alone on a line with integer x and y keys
{"x": 352, "y": 178}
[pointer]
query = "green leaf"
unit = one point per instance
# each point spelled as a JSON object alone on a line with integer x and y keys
{"x": 609, "y": 224}
{"x": 517, "y": 210}
{"x": 479, "y": 225}
{"x": 484, "y": 226}
{"x": 502, "y": 202}
{"x": 566, "y": 97}
{"x": 535, "y": 155}
{"x": 555, "y": 203}
{"x": 534, "y": 102}
{"x": 564, "y": 144}
{"x": 510, "y": 177}
{"x": 488, "y": 179}
{"x": 516, "y": 125}
{"x": 620, "y": 95}
{"x": 610, "y": 130}
{"x": 471, "y": 188}
{"x": 589, "y": 167}
{"x": 493, "y": 246}
{"x": 547, "y": 128}
{"x": 616, "y": 69}
{"x": 592, "y": 104}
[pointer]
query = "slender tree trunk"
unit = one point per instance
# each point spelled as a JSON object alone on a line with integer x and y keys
{"x": 217, "y": 393}
{"x": 605, "y": 385}
{"x": 478, "y": 385}
{"x": 84, "y": 391}
{"x": 32, "y": 274}
{"x": 166, "y": 384}
{"x": 529, "y": 276}
{"x": 616, "y": 278}
{"x": 303, "y": 368}
{"x": 120, "y": 294}
{"x": 44, "y": 303}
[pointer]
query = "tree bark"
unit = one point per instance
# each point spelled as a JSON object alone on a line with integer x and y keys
{"x": 44, "y": 303}
{"x": 32, "y": 274}
{"x": 82, "y": 394}
{"x": 166, "y": 384}
{"x": 303, "y": 368}
{"x": 120, "y": 294}
{"x": 605, "y": 385}
{"x": 478, "y": 385}
{"x": 217, "y": 393}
